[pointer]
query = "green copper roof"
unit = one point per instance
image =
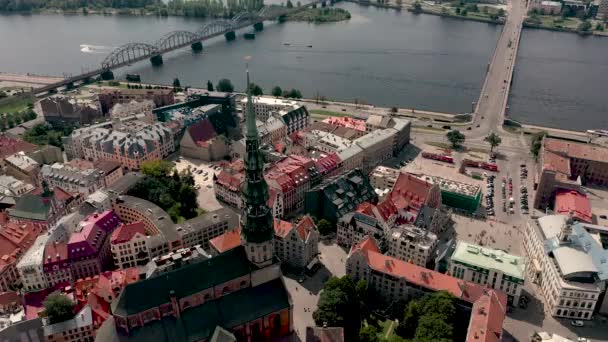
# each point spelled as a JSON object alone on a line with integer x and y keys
{"x": 487, "y": 258}
{"x": 256, "y": 221}
{"x": 185, "y": 281}
{"x": 32, "y": 207}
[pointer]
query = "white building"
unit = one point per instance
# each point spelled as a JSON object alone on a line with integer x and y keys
{"x": 568, "y": 264}
{"x": 123, "y": 110}
{"x": 490, "y": 267}
{"x": 128, "y": 244}
{"x": 72, "y": 179}
{"x": 412, "y": 244}
{"x": 263, "y": 106}
{"x": 296, "y": 244}
{"x": 377, "y": 146}
{"x": 30, "y": 266}
{"x": 383, "y": 178}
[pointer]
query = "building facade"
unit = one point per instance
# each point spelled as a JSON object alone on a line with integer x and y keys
{"x": 412, "y": 244}
{"x": 490, "y": 267}
{"x": 110, "y": 97}
{"x": 73, "y": 179}
{"x": 565, "y": 263}
{"x": 296, "y": 245}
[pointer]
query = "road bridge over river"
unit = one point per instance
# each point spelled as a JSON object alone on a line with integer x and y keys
{"x": 130, "y": 53}
{"x": 492, "y": 104}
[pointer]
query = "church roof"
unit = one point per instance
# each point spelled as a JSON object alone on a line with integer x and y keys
{"x": 153, "y": 292}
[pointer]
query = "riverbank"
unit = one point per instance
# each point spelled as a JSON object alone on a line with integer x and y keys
{"x": 570, "y": 25}
{"x": 320, "y": 15}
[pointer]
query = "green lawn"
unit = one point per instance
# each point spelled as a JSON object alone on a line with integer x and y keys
{"x": 15, "y": 104}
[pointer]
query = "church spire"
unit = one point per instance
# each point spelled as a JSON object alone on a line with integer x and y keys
{"x": 257, "y": 230}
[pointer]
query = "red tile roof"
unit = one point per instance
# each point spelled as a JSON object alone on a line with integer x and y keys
{"x": 420, "y": 276}
{"x": 555, "y": 162}
{"x": 487, "y": 317}
{"x": 305, "y": 226}
{"x": 567, "y": 201}
{"x": 230, "y": 180}
{"x": 15, "y": 239}
{"x": 107, "y": 166}
{"x": 55, "y": 252}
{"x": 327, "y": 163}
{"x": 410, "y": 190}
{"x": 577, "y": 150}
{"x": 9, "y": 298}
{"x": 346, "y": 121}
{"x": 282, "y": 228}
{"x": 386, "y": 209}
{"x": 366, "y": 208}
{"x": 202, "y": 131}
{"x": 126, "y": 232}
{"x": 9, "y": 146}
{"x": 227, "y": 241}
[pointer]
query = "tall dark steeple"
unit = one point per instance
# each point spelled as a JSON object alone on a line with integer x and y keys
{"x": 257, "y": 231}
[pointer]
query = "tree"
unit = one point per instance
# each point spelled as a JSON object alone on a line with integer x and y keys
{"x": 176, "y": 83}
{"x": 455, "y": 137}
{"x": 225, "y": 85}
{"x": 501, "y": 12}
{"x": 325, "y": 227}
{"x": 256, "y": 90}
{"x": 494, "y": 140}
{"x": 295, "y": 94}
{"x": 599, "y": 27}
{"x": 58, "y": 307}
{"x": 369, "y": 334}
{"x": 417, "y": 7}
{"x": 407, "y": 326}
{"x": 394, "y": 110}
{"x": 209, "y": 86}
{"x": 433, "y": 328}
{"x": 338, "y": 306}
{"x": 277, "y": 91}
{"x": 536, "y": 144}
{"x": 289, "y": 4}
{"x": 584, "y": 27}
{"x": 156, "y": 168}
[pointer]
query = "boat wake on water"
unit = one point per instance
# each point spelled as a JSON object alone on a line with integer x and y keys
{"x": 95, "y": 49}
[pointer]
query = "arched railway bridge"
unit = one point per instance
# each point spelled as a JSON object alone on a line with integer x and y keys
{"x": 134, "y": 52}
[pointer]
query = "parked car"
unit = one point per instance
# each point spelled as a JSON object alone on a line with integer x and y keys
{"x": 577, "y": 323}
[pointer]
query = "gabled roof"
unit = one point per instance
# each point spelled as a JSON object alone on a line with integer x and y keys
{"x": 410, "y": 190}
{"x": 305, "y": 226}
{"x": 417, "y": 275}
{"x": 487, "y": 317}
{"x": 202, "y": 131}
{"x": 227, "y": 241}
{"x": 567, "y": 201}
{"x": 126, "y": 232}
{"x": 282, "y": 228}
{"x": 193, "y": 278}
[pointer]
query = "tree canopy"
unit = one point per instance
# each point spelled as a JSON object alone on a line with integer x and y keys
{"x": 225, "y": 85}
{"x": 209, "y": 86}
{"x": 256, "y": 90}
{"x": 176, "y": 83}
{"x": 341, "y": 305}
{"x": 325, "y": 227}
{"x": 58, "y": 307}
{"x": 277, "y": 91}
{"x": 494, "y": 140}
{"x": 170, "y": 190}
{"x": 536, "y": 143}
{"x": 43, "y": 134}
{"x": 455, "y": 137}
{"x": 429, "y": 319}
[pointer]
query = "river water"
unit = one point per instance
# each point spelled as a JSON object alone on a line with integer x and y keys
{"x": 560, "y": 81}
{"x": 379, "y": 56}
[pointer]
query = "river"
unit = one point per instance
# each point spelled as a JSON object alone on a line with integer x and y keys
{"x": 560, "y": 81}
{"x": 379, "y": 56}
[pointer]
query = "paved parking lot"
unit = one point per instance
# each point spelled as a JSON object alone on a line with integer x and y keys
{"x": 203, "y": 179}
